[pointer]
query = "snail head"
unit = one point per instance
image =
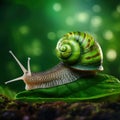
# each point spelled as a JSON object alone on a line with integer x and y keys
{"x": 25, "y": 71}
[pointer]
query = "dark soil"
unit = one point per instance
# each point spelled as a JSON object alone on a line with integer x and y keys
{"x": 16, "y": 110}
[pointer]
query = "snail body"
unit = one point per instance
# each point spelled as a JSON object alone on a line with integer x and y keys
{"x": 58, "y": 75}
{"x": 81, "y": 56}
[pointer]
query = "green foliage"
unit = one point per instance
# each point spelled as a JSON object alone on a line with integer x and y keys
{"x": 90, "y": 88}
{"x": 7, "y": 92}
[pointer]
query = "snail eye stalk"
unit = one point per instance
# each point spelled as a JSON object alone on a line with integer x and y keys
{"x": 25, "y": 72}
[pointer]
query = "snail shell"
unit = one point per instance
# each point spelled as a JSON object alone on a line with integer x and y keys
{"x": 80, "y": 51}
{"x": 80, "y": 56}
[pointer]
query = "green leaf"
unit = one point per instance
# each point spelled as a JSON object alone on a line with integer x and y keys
{"x": 89, "y": 88}
{"x": 7, "y": 92}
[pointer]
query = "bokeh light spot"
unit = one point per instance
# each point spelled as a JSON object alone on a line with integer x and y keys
{"x": 111, "y": 55}
{"x": 118, "y": 8}
{"x": 35, "y": 67}
{"x": 82, "y": 17}
{"x": 60, "y": 33}
{"x": 108, "y": 35}
{"x": 96, "y": 21}
{"x": 34, "y": 48}
{"x": 24, "y": 30}
{"x": 51, "y": 35}
{"x": 57, "y": 7}
{"x": 69, "y": 21}
{"x": 96, "y": 8}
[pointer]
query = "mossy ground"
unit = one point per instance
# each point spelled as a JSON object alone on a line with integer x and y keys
{"x": 16, "y": 110}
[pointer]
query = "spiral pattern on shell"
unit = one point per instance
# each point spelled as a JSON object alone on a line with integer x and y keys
{"x": 79, "y": 50}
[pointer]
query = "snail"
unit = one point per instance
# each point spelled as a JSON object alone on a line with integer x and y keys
{"x": 81, "y": 58}
{"x": 80, "y": 55}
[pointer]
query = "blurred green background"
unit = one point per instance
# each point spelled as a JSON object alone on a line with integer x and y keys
{"x": 31, "y": 28}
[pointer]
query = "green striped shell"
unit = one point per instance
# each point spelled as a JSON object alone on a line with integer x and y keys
{"x": 80, "y": 51}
